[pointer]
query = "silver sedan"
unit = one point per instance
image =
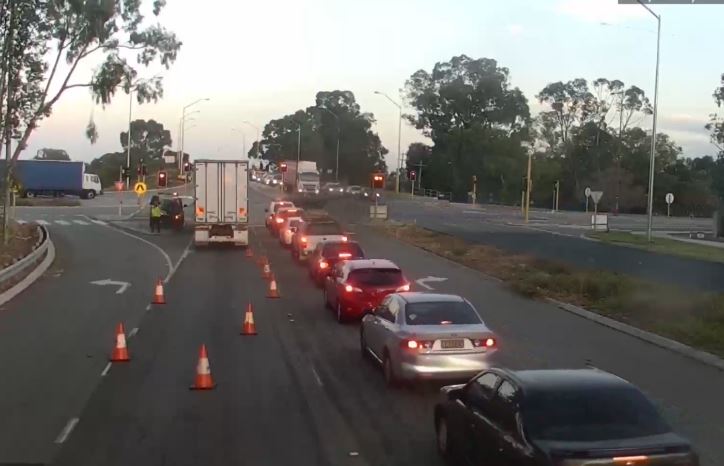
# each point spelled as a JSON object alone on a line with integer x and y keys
{"x": 427, "y": 336}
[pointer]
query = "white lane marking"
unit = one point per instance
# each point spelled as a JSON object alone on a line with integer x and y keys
{"x": 105, "y": 371}
{"x": 22, "y": 222}
{"x": 80, "y": 222}
{"x": 148, "y": 307}
{"x": 122, "y": 286}
{"x": 422, "y": 281}
{"x": 169, "y": 264}
{"x": 99, "y": 222}
{"x": 42, "y": 222}
{"x": 62, "y": 222}
{"x": 65, "y": 433}
{"x": 316, "y": 376}
{"x": 186, "y": 252}
{"x": 133, "y": 332}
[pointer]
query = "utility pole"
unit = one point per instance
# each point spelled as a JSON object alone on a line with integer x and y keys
{"x": 528, "y": 186}
{"x": 9, "y": 42}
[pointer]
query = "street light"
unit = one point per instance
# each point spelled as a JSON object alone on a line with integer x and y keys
{"x": 258, "y": 140}
{"x": 653, "y": 130}
{"x": 183, "y": 117}
{"x": 336, "y": 170}
{"x": 131, "y": 87}
{"x": 399, "y": 141}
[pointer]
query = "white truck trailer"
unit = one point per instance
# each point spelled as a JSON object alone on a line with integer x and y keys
{"x": 221, "y": 191}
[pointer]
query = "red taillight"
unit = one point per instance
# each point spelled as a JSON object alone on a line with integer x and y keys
{"x": 344, "y": 238}
{"x": 304, "y": 239}
{"x": 351, "y": 289}
{"x": 344, "y": 255}
{"x": 412, "y": 344}
{"x": 490, "y": 342}
{"x": 323, "y": 265}
{"x": 404, "y": 288}
{"x": 280, "y": 220}
{"x": 487, "y": 342}
{"x": 416, "y": 344}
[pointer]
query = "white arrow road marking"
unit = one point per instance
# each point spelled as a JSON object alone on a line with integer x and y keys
{"x": 42, "y": 222}
{"x": 99, "y": 222}
{"x": 80, "y": 222}
{"x": 62, "y": 222}
{"x": 123, "y": 286}
{"x": 422, "y": 281}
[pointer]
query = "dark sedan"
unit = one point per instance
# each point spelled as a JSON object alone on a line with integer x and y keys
{"x": 583, "y": 417}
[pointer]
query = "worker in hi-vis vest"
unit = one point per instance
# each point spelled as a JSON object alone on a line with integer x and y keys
{"x": 156, "y": 213}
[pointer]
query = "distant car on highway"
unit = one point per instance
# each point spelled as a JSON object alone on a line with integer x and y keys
{"x": 276, "y": 180}
{"x": 271, "y": 211}
{"x": 357, "y": 286}
{"x": 314, "y": 231}
{"x": 427, "y": 336}
{"x": 332, "y": 188}
{"x": 354, "y": 190}
{"x": 554, "y": 417}
{"x": 327, "y": 254}
{"x": 287, "y": 230}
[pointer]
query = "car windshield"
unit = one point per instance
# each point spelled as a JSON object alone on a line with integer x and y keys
{"x": 170, "y": 206}
{"x": 590, "y": 414}
{"x": 376, "y": 277}
{"x": 333, "y": 250}
{"x": 324, "y": 229}
{"x": 441, "y": 313}
{"x": 309, "y": 177}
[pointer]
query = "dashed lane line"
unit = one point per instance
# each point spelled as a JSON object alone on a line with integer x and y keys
{"x": 65, "y": 433}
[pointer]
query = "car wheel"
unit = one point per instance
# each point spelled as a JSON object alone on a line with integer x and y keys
{"x": 390, "y": 377}
{"x": 443, "y": 438}
{"x": 340, "y": 316}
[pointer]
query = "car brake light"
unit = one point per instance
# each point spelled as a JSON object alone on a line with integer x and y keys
{"x": 343, "y": 255}
{"x": 490, "y": 342}
{"x": 350, "y": 289}
{"x": 344, "y": 238}
{"x": 280, "y": 220}
{"x": 323, "y": 265}
{"x": 404, "y": 288}
{"x": 416, "y": 344}
{"x": 412, "y": 344}
{"x": 304, "y": 239}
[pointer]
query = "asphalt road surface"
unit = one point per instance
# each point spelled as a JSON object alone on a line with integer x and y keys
{"x": 558, "y": 237}
{"x": 298, "y": 392}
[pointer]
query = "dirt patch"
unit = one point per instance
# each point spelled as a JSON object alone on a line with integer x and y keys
{"x": 22, "y": 242}
{"x": 694, "y": 319}
{"x": 47, "y": 202}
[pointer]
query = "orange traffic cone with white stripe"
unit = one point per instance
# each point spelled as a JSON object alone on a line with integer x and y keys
{"x": 266, "y": 271}
{"x": 249, "y": 328}
{"x": 273, "y": 291}
{"x": 158, "y": 297}
{"x": 203, "y": 379}
{"x": 120, "y": 352}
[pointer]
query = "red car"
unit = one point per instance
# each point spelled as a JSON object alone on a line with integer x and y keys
{"x": 357, "y": 286}
{"x": 327, "y": 254}
{"x": 281, "y": 216}
{"x": 274, "y": 207}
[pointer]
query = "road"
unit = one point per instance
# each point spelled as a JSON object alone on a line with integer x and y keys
{"x": 298, "y": 392}
{"x": 558, "y": 237}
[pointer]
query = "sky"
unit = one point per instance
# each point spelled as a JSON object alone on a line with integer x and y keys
{"x": 257, "y": 60}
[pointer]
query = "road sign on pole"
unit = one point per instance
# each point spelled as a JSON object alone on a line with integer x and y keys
{"x": 587, "y": 193}
{"x": 596, "y": 196}
{"x": 140, "y": 188}
{"x": 669, "y": 201}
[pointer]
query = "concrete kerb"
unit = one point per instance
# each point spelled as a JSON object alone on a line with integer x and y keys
{"x": 36, "y": 273}
{"x": 654, "y": 339}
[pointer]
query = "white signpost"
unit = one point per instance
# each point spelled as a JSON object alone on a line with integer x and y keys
{"x": 669, "y": 201}
{"x": 598, "y": 221}
{"x": 587, "y": 192}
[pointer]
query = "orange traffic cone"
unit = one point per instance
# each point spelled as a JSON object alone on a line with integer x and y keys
{"x": 203, "y": 372}
{"x": 266, "y": 271}
{"x": 273, "y": 291}
{"x": 120, "y": 352}
{"x": 158, "y": 297}
{"x": 249, "y": 252}
{"x": 249, "y": 328}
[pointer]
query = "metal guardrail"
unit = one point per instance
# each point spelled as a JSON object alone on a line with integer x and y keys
{"x": 41, "y": 247}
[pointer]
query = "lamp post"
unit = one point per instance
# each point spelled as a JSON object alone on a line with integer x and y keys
{"x": 653, "y": 130}
{"x": 183, "y": 118}
{"x": 336, "y": 169}
{"x": 399, "y": 140}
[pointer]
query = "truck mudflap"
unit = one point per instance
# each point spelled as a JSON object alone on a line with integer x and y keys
{"x": 221, "y": 233}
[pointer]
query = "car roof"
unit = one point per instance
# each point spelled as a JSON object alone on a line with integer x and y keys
{"x": 561, "y": 379}
{"x": 422, "y": 297}
{"x": 358, "y": 264}
{"x": 290, "y": 210}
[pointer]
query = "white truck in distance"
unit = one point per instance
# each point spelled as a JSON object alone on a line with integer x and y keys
{"x": 222, "y": 198}
{"x": 302, "y": 179}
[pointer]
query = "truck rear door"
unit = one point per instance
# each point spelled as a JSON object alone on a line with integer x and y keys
{"x": 221, "y": 192}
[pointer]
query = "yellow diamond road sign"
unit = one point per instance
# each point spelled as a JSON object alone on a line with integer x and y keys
{"x": 139, "y": 188}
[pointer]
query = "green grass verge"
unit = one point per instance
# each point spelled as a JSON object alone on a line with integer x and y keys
{"x": 693, "y": 318}
{"x": 661, "y": 245}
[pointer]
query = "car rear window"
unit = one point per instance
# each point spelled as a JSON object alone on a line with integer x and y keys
{"x": 282, "y": 205}
{"x": 332, "y": 250}
{"x": 295, "y": 223}
{"x": 376, "y": 277}
{"x": 289, "y": 213}
{"x": 591, "y": 414}
{"x": 324, "y": 229}
{"x": 441, "y": 313}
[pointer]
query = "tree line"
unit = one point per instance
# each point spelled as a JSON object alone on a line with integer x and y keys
{"x": 590, "y": 134}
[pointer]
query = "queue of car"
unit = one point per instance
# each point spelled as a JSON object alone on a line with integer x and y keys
{"x": 499, "y": 417}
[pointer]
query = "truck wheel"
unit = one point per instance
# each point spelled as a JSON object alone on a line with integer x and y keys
{"x": 29, "y": 194}
{"x": 90, "y": 194}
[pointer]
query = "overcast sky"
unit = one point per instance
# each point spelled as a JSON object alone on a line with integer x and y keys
{"x": 261, "y": 59}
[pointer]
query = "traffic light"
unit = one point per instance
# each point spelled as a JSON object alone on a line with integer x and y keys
{"x": 187, "y": 167}
{"x": 126, "y": 172}
{"x": 412, "y": 175}
{"x": 378, "y": 180}
{"x": 283, "y": 167}
{"x": 162, "y": 179}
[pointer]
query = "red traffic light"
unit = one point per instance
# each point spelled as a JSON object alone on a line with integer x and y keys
{"x": 283, "y": 167}
{"x": 162, "y": 179}
{"x": 378, "y": 180}
{"x": 413, "y": 175}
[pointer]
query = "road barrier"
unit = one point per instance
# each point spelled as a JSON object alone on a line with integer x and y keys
{"x": 15, "y": 272}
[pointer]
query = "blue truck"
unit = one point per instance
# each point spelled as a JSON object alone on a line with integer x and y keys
{"x": 54, "y": 178}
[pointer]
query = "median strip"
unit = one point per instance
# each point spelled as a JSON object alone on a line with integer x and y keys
{"x": 695, "y": 319}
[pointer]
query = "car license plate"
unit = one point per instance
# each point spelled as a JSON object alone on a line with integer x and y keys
{"x": 452, "y": 344}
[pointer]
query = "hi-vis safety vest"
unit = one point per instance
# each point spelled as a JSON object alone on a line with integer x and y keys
{"x": 155, "y": 211}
